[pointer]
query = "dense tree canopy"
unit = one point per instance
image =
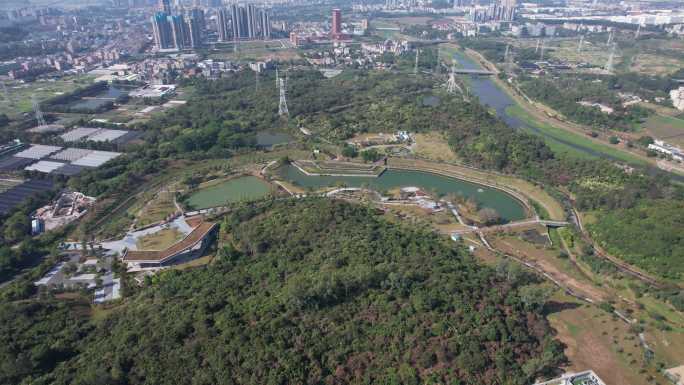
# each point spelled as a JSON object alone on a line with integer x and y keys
{"x": 321, "y": 291}
{"x": 649, "y": 235}
{"x": 565, "y": 94}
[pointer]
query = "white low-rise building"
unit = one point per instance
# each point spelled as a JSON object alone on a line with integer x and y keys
{"x": 677, "y": 97}
{"x": 675, "y": 152}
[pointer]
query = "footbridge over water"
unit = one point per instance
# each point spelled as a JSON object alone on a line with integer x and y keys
{"x": 465, "y": 71}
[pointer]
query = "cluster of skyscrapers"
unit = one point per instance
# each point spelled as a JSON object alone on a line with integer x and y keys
{"x": 243, "y": 23}
{"x": 502, "y": 10}
{"x": 178, "y": 31}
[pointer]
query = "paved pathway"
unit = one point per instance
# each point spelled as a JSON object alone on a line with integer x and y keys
{"x": 514, "y": 224}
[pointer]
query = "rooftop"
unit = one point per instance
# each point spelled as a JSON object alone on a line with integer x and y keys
{"x": 197, "y": 234}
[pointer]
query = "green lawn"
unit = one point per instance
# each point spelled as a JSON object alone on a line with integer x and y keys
{"x": 563, "y": 141}
{"x": 668, "y": 128}
{"x": 20, "y": 94}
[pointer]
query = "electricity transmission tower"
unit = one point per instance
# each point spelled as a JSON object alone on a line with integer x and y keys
{"x": 610, "y": 37}
{"x": 257, "y": 81}
{"x": 579, "y": 46}
{"x": 636, "y": 36}
{"x": 36, "y": 108}
{"x": 415, "y": 66}
{"x": 5, "y": 94}
{"x": 282, "y": 107}
{"x": 536, "y": 49}
{"x": 508, "y": 59}
{"x": 541, "y": 55}
{"x": 451, "y": 83}
{"x": 609, "y": 64}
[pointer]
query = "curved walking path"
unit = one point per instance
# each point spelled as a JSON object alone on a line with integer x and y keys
{"x": 523, "y": 223}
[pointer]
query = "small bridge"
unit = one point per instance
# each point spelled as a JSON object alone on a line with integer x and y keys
{"x": 464, "y": 71}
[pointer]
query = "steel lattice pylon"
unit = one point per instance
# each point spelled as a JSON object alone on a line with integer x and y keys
{"x": 36, "y": 108}
{"x": 282, "y": 106}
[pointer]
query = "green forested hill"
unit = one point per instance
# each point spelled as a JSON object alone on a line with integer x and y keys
{"x": 650, "y": 236}
{"x": 321, "y": 292}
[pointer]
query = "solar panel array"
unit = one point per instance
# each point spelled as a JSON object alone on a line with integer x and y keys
{"x": 17, "y": 194}
{"x": 78, "y": 134}
{"x": 13, "y": 163}
{"x": 106, "y": 135}
{"x": 94, "y": 134}
{"x": 54, "y": 159}
{"x": 37, "y": 151}
{"x": 71, "y": 154}
{"x": 45, "y": 166}
{"x": 96, "y": 158}
{"x": 69, "y": 170}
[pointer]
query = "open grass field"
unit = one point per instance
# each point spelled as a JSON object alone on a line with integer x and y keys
{"x": 648, "y": 56}
{"x": 340, "y": 168}
{"x": 374, "y": 137}
{"x": 396, "y": 23}
{"x": 434, "y": 145}
{"x": 547, "y": 259}
{"x": 596, "y": 340}
{"x": 198, "y": 262}
{"x": 20, "y": 93}
{"x": 566, "y": 49}
{"x": 401, "y": 21}
{"x": 157, "y": 209}
{"x": 655, "y": 56}
{"x": 655, "y": 64}
{"x": 256, "y": 50}
{"x": 159, "y": 240}
{"x": 667, "y": 128}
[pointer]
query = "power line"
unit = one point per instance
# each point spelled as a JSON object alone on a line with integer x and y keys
{"x": 451, "y": 83}
{"x": 36, "y": 108}
{"x": 508, "y": 59}
{"x": 282, "y": 106}
{"x": 579, "y": 46}
{"x": 609, "y": 64}
{"x": 5, "y": 93}
{"x": 415, "y": 67}
{"x": 257, "y": 81}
